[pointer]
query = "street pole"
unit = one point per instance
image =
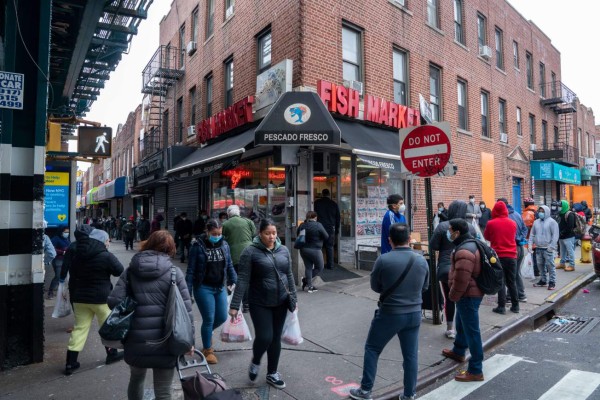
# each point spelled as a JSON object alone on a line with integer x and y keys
{"x": 433, "y": 281}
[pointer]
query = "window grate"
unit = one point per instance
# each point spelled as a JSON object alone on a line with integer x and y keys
{"x": 575, "y": 326}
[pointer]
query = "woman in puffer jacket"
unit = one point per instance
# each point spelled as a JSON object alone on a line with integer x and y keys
{"x": 149, "y": 280}
{"x": 315, "y": 235}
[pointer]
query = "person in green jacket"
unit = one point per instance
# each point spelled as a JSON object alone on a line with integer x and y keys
{"x": 238, "y": 231}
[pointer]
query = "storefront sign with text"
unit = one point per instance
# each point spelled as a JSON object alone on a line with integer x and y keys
{"x": 345, "y": 101}
{"x": 232, "y": 117}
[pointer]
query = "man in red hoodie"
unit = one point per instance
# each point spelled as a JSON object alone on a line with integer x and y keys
{"x": 501, "y": 232}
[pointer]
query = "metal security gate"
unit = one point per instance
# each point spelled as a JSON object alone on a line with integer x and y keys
{"x": 160, "y": 202}
{"x": 183, "y": 197}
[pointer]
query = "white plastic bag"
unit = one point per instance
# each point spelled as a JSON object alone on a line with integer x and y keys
{"x": 62, "y": 308}
{"x": 236, "y": 330}
{"x": 291, "y": 329}
{"x": 478, "y": 233}
{"x": 527, "y": 267}
{"x": 436, "y": 221}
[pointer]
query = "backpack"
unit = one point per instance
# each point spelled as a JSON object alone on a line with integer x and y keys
{"x": 491, "y": 276}
{"x": 579, "y": 228}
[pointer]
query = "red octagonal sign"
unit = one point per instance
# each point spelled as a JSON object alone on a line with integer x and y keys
{"x": 425, "y": 150}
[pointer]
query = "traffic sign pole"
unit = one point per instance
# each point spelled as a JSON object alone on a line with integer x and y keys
{"x": 433, "y": 282}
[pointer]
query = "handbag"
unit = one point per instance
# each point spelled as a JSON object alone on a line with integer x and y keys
{"x": 179, "y": 329}
{"x": 300, "y": 240}
{"x": 389, "y": 290}
{"x": 291, "y": 305}
{"x": 200, "y": 385}
{"x": 116, "y": 327}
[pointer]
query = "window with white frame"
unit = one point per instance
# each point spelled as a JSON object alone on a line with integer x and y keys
{"x": 208, "y": 87}
{"x": 481, "y": 31}
{"x": 210, "y": 18}
{"x": 182, "y": 46}
{"x": 435, "y": 91}
{"x": 432, "y": 13}
{"x": 459, "y": 34}
{"x": 529, "y": 62}
{"x": 542, "y": 80}
{"x": 499, "y": 48}
{"x": 502, "y": 115}
{"x": 351, "y": 54}
{"x": 400, "y": 59}
{"x": 532, "y": 128}
{"x": 228, "y": 82}
{"x": 195, "y": 25}
{"x": 264, "y": 51}
{"x": 229, "y": 4}
{"x": 516, "y": 54}
{"x": 485, "y": 112}
{"x": 544, "y": 135}
{"x": 519, "y": 128}
{"x": 463, "y": 115}
{"x": 193, "y": 106}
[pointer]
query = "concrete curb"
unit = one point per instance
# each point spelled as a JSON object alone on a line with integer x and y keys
{"x": 528, "y": 322}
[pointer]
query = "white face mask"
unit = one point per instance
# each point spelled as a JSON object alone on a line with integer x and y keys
{"x": 402, "y": 208}
{"x": 472, "y": 201}
{"x": 65, "y": 235}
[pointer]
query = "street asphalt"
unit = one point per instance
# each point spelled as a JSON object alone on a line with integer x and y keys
{"x": 334, "y": 322}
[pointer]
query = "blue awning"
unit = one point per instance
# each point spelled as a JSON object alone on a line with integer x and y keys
{"x": 115, "y": 188}
{"x": 552, "y": 171}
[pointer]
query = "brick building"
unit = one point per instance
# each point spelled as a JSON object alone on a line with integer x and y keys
{"x": 479, "y": 65}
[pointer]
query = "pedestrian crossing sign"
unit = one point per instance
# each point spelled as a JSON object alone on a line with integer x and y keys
{"x": 94, "y": 142}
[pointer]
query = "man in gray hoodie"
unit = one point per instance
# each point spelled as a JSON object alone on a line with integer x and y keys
{"x": 544, "y": 236}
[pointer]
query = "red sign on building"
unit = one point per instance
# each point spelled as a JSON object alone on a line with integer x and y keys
{"x": 425, "y": 150}
{"x": 232, "y": 117}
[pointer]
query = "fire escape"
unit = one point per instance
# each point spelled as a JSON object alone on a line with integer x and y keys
{"x": 163, "y": 70}
{"x": 562, "y": 101}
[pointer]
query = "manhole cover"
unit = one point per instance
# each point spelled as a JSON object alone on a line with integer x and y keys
{"x": 575, "y": 326}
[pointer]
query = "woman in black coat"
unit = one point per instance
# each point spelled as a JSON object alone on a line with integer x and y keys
{"x": 315, "y": 235}
{"x": 265, "y": 270}
{"x": 149, "y": 276}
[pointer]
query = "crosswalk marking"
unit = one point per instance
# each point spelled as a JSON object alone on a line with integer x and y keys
{"x": 492, "y": 367}
{"x": 574, "y": 385}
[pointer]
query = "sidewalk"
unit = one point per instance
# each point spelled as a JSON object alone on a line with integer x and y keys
{"x": 334, "y": 321}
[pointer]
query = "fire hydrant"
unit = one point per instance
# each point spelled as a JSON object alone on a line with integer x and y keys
{"x": 586, "y": 249}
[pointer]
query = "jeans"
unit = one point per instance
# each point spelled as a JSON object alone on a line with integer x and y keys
{"x": 268, "y": 326}
{"x": 468, "y": 335}
{"x": 212, "y": 303}
{"x": 185, "y": 244}
{"x": 449, "y": 305}
{"x": 313, "y": 263}
{"x": 545, "y": 260}
{"x": 567, "y": 251}
{"x": 383, "y": 328}
{"x": 163, "y": 379}
{"x": 128, "y": 242}
{"x": 509, "y": 266}
{"x": 56, "y": 265}
{"x": 329, "y": 247}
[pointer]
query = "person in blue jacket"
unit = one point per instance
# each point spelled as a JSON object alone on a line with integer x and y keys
{"x": 394, "y": 215}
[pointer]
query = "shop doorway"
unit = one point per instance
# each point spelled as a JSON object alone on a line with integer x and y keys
{"x": 517, "y": 195}
{"x": 330, "y": 182}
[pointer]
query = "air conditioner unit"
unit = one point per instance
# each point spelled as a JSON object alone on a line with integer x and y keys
{"x": 485, "y": 52}
{"x": 191, "y": 130}
{"x": 503, "y": 137}
{"x": 191, "y": 48}
{"x": 532, "y": 147}
{"x": 229, "y": 11}
{"x": 400, "y": 2}
{"x": 355, "y": 85}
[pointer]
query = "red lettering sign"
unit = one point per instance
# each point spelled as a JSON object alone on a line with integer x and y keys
{"x": 232, "y": 117}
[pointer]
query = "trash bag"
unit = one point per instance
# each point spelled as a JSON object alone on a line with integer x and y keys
{"x": 236, "y": 330}
{"x": 62, "y": 308}
{"x": 291, "y": 329}
{"x": 527, "y": 267}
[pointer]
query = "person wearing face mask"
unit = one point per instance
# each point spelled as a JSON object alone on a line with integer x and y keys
{"x": 61, "y": 243}
{"x": 394, "y": 215}
{"x": 473, "y": 211}
{"x": 209, "y": 269}
{"x": 442, "y": 212}
{"x": 486, "y": 215}
{"x": 184, "y": 230}
{"x": 544, "y": 237}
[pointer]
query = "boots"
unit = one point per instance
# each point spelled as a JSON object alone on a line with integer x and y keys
{"x": 209, "y": 354}
{"x": 72, "y": 363}
{"x": 113, "y": 355}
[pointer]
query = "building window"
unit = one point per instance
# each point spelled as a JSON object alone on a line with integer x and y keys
{"x": 168, "y": 60}
{"x": 579, "y": 141}
{"x": 264, "y": 51}
{"x": 432, "y": 13}
{"x": 542, "y": 80}
{"x": 193, "y": 106}
{"x": 210, "y": 17}
{"x": 556, "y": 134}
{"x": 229, "y": 4}
{"x": 502, "y": 115}
{"x": 544, "y": 135}
{"x": 195, "y": 25}
{"x": 516, "y": 54}
{"x": 485, "y": 114}
{"x": 589, "y": 147}
{"x": 519, "y": 129}
{"x": 180, "y": 119}
{"x": 228, "y": 82}
{"x": 459, "y": 34}
{"x": 182, "y": 46}
{"x": 499, "y": 49}
{"x": 529, "y": 61}
{"x": 435, "y": 92}
{"x": 532, "y": 128}
{"x": 351, "y": 54}
{"x": 463, "y": 115}
{"x": 208, "y": 85}
{"x": 481, "y": 31}
{"x": 400, "y": 77}
{"x": 553, "y": 77}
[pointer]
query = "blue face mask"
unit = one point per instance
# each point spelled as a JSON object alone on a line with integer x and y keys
{"x": 215, "y": 239}
{"x": 542, "y": 215}
{"x": 449, "y": 235}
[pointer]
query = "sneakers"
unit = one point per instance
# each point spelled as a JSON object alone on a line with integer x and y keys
{"x": 551, "y": 286}
{"x": 209, "y": 354}
{"x": 450, "y": 334}
{"x": 360, "y": 394}
{"x": 569, "y": 268}
{"x": 540, "y": 284}
{"x": 113, "y": 355}
{"x": 253, "y": 371}
{"x": 413, "y": 397}
{"x": 514, "y": 309}
{"x": 499, "y": 310}
{"x": 523, "y": 300}
{"x": 560, "y": 266}
{"x": 466, "y": 376}
{"x": 304, "y": 284}
{"x": 450, "y": 354}
{"x": 312, "y": 289}
{"x": 275, "y": 380}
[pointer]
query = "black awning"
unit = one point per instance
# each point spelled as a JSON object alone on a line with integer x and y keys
{"x": 214, "y": 157}
{"x": 377, "y": 147}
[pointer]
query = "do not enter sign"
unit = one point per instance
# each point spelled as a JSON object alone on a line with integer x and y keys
{"x": 425, "y": 150}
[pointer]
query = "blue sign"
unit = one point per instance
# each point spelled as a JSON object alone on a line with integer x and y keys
{"x": 79, "y": 188}
{"x": 551, "y": 171}
{"x": 56, "y": 201}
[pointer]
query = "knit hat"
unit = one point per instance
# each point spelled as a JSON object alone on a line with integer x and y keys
{"x": 99, "y": 235}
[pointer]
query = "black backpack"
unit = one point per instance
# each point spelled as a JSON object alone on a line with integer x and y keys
{"x": 491, "y": 277}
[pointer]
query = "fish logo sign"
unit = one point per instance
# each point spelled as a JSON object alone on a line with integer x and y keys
{"x": 297, "y": 114}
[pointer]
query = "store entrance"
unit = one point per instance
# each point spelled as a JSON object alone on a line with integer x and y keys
{"x": 330, "y": 182}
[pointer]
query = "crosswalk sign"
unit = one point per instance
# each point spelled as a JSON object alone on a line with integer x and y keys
{"x": 94, "y": 142}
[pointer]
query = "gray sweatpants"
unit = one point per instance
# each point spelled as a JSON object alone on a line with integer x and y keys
{"x": 163, "y": 381}
{"x": 313, "y": 263}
